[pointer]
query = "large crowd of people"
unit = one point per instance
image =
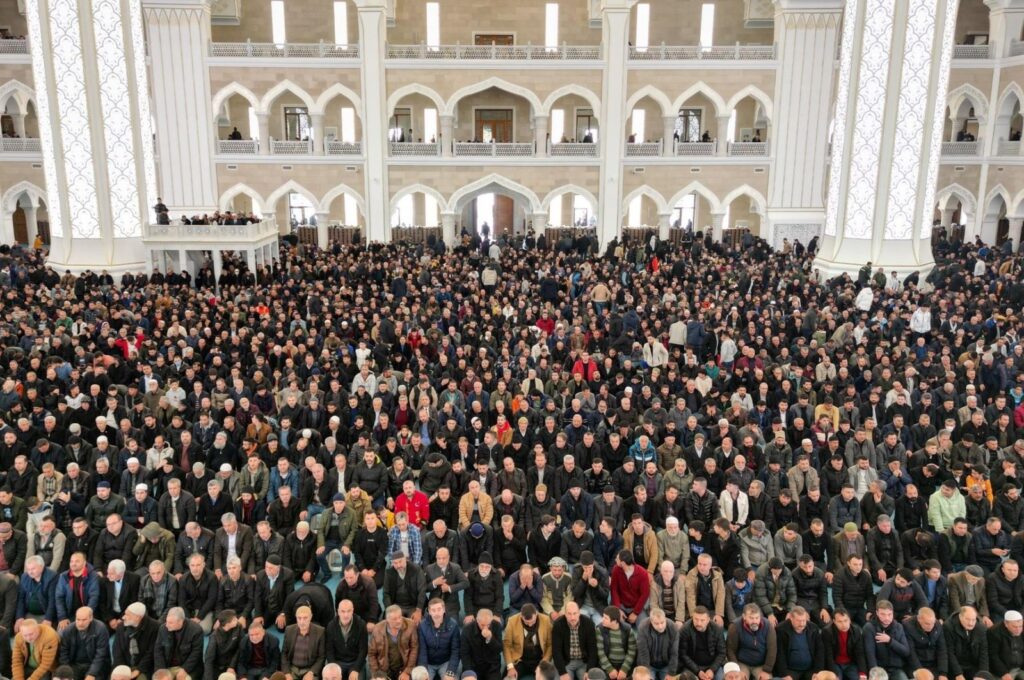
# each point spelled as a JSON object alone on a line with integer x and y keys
{"x": 420, "y": 463}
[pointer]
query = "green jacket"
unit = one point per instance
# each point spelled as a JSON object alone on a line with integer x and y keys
{"x": 346, "y": 526}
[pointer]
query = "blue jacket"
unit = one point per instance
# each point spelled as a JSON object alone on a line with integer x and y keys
{"x": 276, "y": 482}
{"x": 439, "y": 646}
{"x": 46, "y": 587}
{"x": 64, "y": 597}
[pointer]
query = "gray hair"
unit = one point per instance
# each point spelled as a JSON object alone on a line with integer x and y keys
{"x": 118, "y": 566}
{"x": 176, "y": 613}
{"x": 227, "y": 518}
{"x": 418, "y": 673}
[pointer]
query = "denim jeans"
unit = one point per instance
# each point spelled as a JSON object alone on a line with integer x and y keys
{"x": 438, "y": 672}
{"x": 846, "y": 671}
{"x": 576, "y": 669}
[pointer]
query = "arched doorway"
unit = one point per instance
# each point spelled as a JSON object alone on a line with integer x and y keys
{"x": 495, "y": 209}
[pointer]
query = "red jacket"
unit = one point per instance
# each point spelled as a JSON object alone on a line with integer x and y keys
{"x": 630, "y": 592}
{"x": 589, "y": 370}
{"x": 417, "y": 508}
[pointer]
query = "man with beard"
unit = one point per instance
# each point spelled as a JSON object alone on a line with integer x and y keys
{"x": 135, "y": 640}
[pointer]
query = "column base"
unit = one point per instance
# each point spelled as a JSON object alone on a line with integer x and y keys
{"x": 854, "y": 254}
{"x": 97, "y": 255}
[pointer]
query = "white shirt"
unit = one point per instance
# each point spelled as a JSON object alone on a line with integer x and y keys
{"x": 231, "y": 545}
{"x": 921, "y": 320}
{"x": 864, "y": 299}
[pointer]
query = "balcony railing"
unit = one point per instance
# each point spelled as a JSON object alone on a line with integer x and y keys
{"x": 210, "y": 233}
{"x": 320, "y": 50}
{"x": 748, "y": 148}
{"x": 496, "y": 52}
{"x": 13, "y": 46}
{"x": 337, "y": 148}
{"x": 1017, "y": 48}
{"x": 960, "y": 148}
{"x": 243, "y": 147}
{"x": 972, "y": 51}
{"x": 1005, "y": 148}
{"x": 691, "y": 52}
{"x": 574, "y": 150}
{"x": 643, "y": 149}
{"x": 496, "y": 149}
{"x": 695, "y": 148}
{"x": 414, "y": 149}
{"x": 18, "y": 144}
{"x": 287, "y": 147}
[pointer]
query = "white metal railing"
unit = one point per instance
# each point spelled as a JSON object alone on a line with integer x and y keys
{"x": 748, "y": 148}
{"x": 637, "y": 149}
{"x": 574, "y": 149}
{"x": 972, "y": 51}
{"x": 496, "y": 52}
{"x": 960, "y": 148}
{"x": 695, "y": 148}
{"x": 205, "y": 233}
{"x": 715, "y": 53}
{"x": 498, "y": 149}
{"x": 338, "y": 148}
{"x": 1017, "y": 48}
{"x": 320, "y": 50}
{"x": 13, "y": 46}
{"x": 1005, "y": 148}
{"x": 290, "y": 147}
{"x": 19, "y": 144}
{"x": 407, "y": 149}
{"x": 247, "y": 147}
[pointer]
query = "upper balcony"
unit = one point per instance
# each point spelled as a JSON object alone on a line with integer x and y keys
{"x": 211, "y": 236}
{"x": 298, "y": 54}
{"x": 283, "y": 147}
{"x": 489, "y": 53}
{"x": 19, "y": 145}
{"x": 14, "y": 51}
{"x": 697, "y": 56}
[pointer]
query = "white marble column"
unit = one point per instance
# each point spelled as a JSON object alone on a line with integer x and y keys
{"x": 664, "y": 225}
{"x": 806, "y": 36}
{"x": 263, "y": 120}
{"x": 890, "y": 111}
{"x": 947, "y": 217}
{"x": 1005, "y": 23}
{"x": 447, "y": 134}
{"x": 615, "y": 39}
{"x": 668, "y": 124}
{"x": 322, "y": 235}
{"x": 717, "y": 226}
{"x": 18, "y": 119}
{"x": 31, "y": 223}
{"x": 372, "y": 27}
{"x": 448, "y": 228}
{"x": 319, "y": 144}
{"x": 540, "y": 135}
{"x": 92, "y": 92}
{"x": 722, "y": 148}
{"x": 179, "y": 39}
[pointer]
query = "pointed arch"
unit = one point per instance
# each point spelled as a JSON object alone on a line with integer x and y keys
{"x": 415, "y": 88}
{"x": 969, "y": 92}
{"x": 11, "y": 196}
{"x": 966, "y": 198}
{"x": 706, "y": 90}
{"x": 499, "y": 83}
{"x": 225, "y": 93}
{"x": 287, "y": 188}
{"x": 442, "y": 202}
{"x": 655, "y": 94}
{"x": 333, "y": 91}
{"x": 1006, "y": 99}
{"x": 650, "y": 192}
{"x": 757, "y": 94}
{"x": 341, "y": 190}
{"x": 998, "y": 191}
{"x": 496, "y": 180}
{"x": 567, "y": 189}
{"x": 239, "y": 190}
{"x": 585, "y": 93}
{"x": 281, "y": 88}
{"x": 20, "y": 92}
{"x": 756, "y": 198}
{"x": 714, "y": 205}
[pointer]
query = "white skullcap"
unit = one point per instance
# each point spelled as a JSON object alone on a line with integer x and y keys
{"x": 136, "y": 609}
{"x": 225, "y": 467}
{"x": 131, "y": 460}
{"x": 141, "y": 487}
{"x": 1013, "y": 615}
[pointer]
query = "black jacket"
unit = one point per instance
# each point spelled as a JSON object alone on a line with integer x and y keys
{"x": 783, "y": 633}
{"x": 929, "y": 648}
{"x": 854, "y": 645}
{"x": 1003, "y": 595}
{"x": 189, "y": 645}
{"x": 130, "y": 584}
{"x": 853, "y": 592}
{"x": 236, "y": 595}
{"x": 968, "y": 650}
{"x": 363, "y": 596}
{"x": 350, "y": 651}
{"x": 588, "y": 643}
{"x": 223, "y": 650}
{"x": 692, "y": 641}
{"x": 481, "y": 655}
{"x": 198, "y": 598}
{"x": 273, "y": 653}
{"x": 269, "y": 602}
{"x": 145, "y": 641}
{"x": 1005, "y": 651}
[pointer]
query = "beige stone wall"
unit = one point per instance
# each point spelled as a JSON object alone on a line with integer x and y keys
{"x": 570, "y": 105}
{"x": 677, "y": 22}
{"x": 720, "y": 180}
{"x": 446, "y": 82}
{"x": 725, "y": 83}
{"x": 465, "y": 118}
{"x": 15, "y": 173}
{"x": 417, "y": 104}
{"x": 972, "y": 17}
{"x": 11, "y": 18}
{"x": 314, "y": 81}
{"x": 462, "y": 19}
{"x": 19, "y": 72}
{"x": 653, "y": 127}
{"x": 308, "y": 21}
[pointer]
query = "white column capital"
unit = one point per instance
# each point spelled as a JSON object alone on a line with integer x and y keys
{"x": 371, "y": 5}
{"x": 201, "y": 5}
{"x": 617, "y": 5}
{"x": 1005, "y": 5}
{"x": 809, "y": 6}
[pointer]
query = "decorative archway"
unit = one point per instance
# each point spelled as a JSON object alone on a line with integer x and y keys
{"x": 757, "y": 95}
{"x": 241, "y": 190}
{"x": 579, "y": 90}
{"x": 703, "y": 89}
{"x": 969, "y": 93}
{"x": 655, "y": 94}
{"x": 499, "y": 83}
{"x": 714, "y": 205}
{"x": 757, "y": 199}
{"x": 281, "y": 88}
{"x": 492, "y": 182}
{"x": 9, "y": 202}
{"x": 568, "y": 189}
{"x": 333, "y": 91}
{"x": 342, "y": 190}
{"x": 967, "y": 199}
{"x": 417, "y": 189}
{"x": 22, "y": 94}
{"x": 289, "y": 187}
{"x": 650, "y": 192}
{"x": 415, "y": 88}
{"x": 231, "y": 89}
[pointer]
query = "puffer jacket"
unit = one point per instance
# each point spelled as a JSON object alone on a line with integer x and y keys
{"x": 766, "y": 589}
